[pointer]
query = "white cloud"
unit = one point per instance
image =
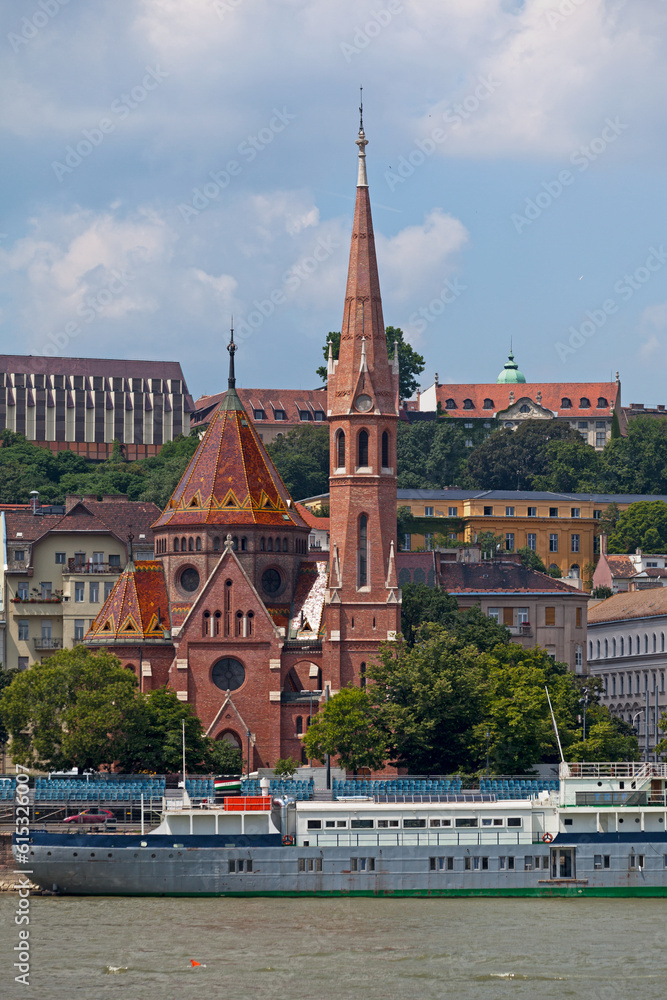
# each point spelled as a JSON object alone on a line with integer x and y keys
{"x": 419, "y": 256}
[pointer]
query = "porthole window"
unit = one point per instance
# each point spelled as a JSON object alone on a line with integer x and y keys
{"x": 189, "y": 579}
{"x": 271, "y": 581}
{"x": 228, "y": 674}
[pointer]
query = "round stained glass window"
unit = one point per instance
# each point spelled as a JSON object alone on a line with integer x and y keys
{"x": 189, "y": 580}
{"x": 228, "y": 674}
{"x": 271, "y": 581}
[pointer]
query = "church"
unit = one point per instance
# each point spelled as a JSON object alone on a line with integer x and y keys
{"x": 234, "y": 613}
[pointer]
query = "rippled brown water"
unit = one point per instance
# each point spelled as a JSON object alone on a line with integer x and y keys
{"x": 335, "y": 949}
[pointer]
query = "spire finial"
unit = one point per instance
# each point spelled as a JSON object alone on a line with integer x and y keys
{"x": 362, "y": 142}
{"x": 231, "y": 347}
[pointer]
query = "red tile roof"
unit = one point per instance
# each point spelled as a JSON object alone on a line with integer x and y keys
{"x": 634, "y": 604}
{"x": 498, "y": 576}
{"x": 137, "y": 609}
{"x": 120, "y": 517}
{"x": 230, "y": 479}
{"x": 291, "y": 401}
{"x": 621, "y": 566}
{"x": 321, "y": 523}
{"x": 552, "y": 396}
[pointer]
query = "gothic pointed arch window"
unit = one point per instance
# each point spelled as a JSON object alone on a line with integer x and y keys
{"x": 191, "y": 545}
{"x": 284, "y": 545}
{"x": 362, "y": 572}
{"x": 362, "y": 449}
{"x": 250, "y": 619}
{"x": 244, "y": 544}
{"x": 270, "y": 549}
{"x": 239, "y": 623}
{"x": 299, "y": 725}
{"x": 262, "y": 544}
{"x": 235, "y": 543}
{"x": 340, "y": 450}
{"x": 198, "y": 545}
{"x": 206, "y": 623}
{"x": 228, "y": 607}
{"x": 216, "y": 623}
{"x": 362, "y": 676}
{"x": 184, "y": 545}
{"x": 385, "y": 449}
{"x": 216, "y": 544}
{"x": 176, "y": 545}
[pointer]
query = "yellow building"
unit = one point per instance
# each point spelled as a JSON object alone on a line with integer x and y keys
{"x": 559, "y": 527}
{"x": 60, "y": 565}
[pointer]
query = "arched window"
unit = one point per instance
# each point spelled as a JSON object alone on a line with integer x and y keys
{"x": 621, "y": 644}
{"x": 191, "y": 545}
{"x": 450, "y": 404}
{"x": 629, "y": 645}
{"x": 198, "y": 544}
{"x": 590, "y": 649}
{"x": 606, "y": 648}
{"x": 228, "y": 607}
{"x": 299, "y": 725}
{"x": 468, "y": 404}
{"x": 613, "y": 647}
{"x": 262, "y": 545}
{"x": 206, "y": 623}
{"x": 277, "y": 545}
{"x": 655, "y": 643}
{"x": 176, "y": 545}
{"x": 362, "y": 446}
{"x": 602, "y": 402}
{"x": 645, "y": 642}
{"x": 620, "y": 683}
{"x": 235, "y": 543}
{"x": 488, "y": 404}
{"x": 239, "y": 623}
{"x": 216, "y": 544}
{"x": 270, "y": 545}
{"x": 385, "y": 449}
{"x": 340, "y": 450}
{"x": 584, "y": 403}
{"x": 662, "y": 642}
{"x": 597, "y": 649}
{"x": 184, "y": 545}
{"x": 216, "y": 623}
{"x": 244, "y": 544}
{"x": 566, "y": 403}
{"x": 363, "y": 551}
{"x": 362, "y": 675}
{"x": 250, "y": 623}
{"x": 284, "y": 545}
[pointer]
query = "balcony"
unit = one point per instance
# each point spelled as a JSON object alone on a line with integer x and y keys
{"x": 520, "y": 630}
{"x": 45, "y": 643}
{"x": 90, "y": 567}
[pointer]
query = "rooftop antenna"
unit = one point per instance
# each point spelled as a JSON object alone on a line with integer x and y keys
{"x": 231, "y": 347}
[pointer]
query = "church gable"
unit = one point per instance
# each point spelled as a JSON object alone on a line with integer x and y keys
{"x": 228, "y": 607}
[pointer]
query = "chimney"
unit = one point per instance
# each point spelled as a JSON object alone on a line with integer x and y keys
{"x": 603, "y": 544}
{"x": 71, "y": 500}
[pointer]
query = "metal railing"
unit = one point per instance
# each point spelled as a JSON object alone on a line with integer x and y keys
{"x": 91, "y": 567}
{"x": 47, "y": 643}
{"x": 406, "y": 838}
{"x": 637, "y": 770}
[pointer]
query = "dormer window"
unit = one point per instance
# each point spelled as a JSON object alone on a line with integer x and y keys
{"x": 488, "y": 404}
{"x": 565, "y": 403}
{"x": 305, "y": 415}
{"x": 584, "y": 403}
{"x": 602, "y": 403}
{"x": 468, "y": 404}
{"x": 259, "y": 414}
{"x": 279, "y": 415}
{"x": 319, "y": 415}
{"x": 450, "y": 404}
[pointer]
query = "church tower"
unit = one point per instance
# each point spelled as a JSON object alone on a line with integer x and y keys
{"x": 363, "y": 602}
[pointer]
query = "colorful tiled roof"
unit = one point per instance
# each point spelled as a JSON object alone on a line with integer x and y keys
{"x": 321, "y": 523}
{"x": 230, "y": 479}
{"x": 137, "y": 610}
{"x": 555, "y": 396}
{"x": 634, "y": 604}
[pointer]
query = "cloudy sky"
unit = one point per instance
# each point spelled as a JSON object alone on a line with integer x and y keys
{"x": 167, "y": 163}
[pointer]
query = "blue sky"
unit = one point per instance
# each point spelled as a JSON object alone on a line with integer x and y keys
{"x": 167, "y": 163}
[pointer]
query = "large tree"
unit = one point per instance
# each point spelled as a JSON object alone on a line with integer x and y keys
{"x": 431, "y": 453}
{"x": 410, "y": 364}
{"x": 517, "y": 460}
{"x": 637, "y": 463}
{"x": 468, "y": 626}
{"x": 347, "y": 727}
{"x": 643, "y": 525}
{"x": 302, "y": 459}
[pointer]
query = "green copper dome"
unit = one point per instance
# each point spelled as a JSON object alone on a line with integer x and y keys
{"x": 510, "y": 372}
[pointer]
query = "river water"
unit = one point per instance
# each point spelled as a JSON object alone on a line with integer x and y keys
{"x": 335, "y": 949}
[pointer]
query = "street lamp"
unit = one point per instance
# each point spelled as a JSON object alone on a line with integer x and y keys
{"x": 636, "y": 716}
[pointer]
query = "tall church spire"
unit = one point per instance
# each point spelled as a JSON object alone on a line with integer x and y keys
{"x": 363, "y": 323}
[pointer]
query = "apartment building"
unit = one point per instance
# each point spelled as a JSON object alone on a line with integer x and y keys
{"x": 60, "y": 565}
{"x": 274, "y": 412}
{"x": 85, "y": 404}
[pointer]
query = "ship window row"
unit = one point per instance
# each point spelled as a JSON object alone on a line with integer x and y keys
{"x": 310, "y": 864}
{"x": 417, "y": 823}
{"x": 619, "y": 685}
{"x": 601, "y": 861}
{"x": 240, "y": 865}
{"x": 627, "y": 645}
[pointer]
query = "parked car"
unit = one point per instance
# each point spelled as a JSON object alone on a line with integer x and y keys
{"x": 102, "y": 816}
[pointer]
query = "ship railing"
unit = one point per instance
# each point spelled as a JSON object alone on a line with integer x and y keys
{"x": 432, "y": 838}
{"x": 627, "y": 799}
{"x": 637, "y": 770}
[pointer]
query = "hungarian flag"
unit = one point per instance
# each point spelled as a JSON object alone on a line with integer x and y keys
{"x": 227, "y": 786}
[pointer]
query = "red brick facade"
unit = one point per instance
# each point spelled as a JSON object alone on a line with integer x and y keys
{"x": 234, "y": 614}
